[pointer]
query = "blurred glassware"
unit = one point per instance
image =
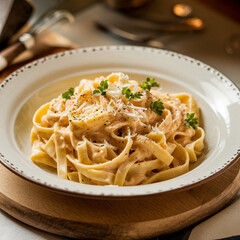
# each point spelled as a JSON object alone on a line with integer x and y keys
{"x": 125, "y": 4}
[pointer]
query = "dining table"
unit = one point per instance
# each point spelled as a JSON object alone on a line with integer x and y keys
{"x": 218, "y": 45}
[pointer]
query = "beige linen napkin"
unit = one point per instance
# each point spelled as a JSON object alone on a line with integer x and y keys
{"x": 222, "y": 225}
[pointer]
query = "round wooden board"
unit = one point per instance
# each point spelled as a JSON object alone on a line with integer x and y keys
{"x": 133, "y": 218}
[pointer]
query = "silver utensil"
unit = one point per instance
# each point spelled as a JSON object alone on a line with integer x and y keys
{"x": 191, "y": 24}
{"x": 51, "y": 14}
{"x": 143, "y": 39}
{"x": 50, "y": 19}
{"x": 27, "y": 40}
{"x": 117, "y": 31}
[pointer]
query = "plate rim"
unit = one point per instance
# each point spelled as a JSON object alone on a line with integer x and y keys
{"x": 235, "y": 156}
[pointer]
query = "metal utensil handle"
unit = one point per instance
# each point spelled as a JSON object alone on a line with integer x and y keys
{"x": 27, "y": 40}
{"x": 49, "y": 19}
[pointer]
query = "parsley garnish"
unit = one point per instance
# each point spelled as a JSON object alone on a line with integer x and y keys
{"x": 103, "y": 86}
{"x": 157, "y": 107}
{"x": 129, "y": 95}
{"x": 191, "y": 121}
{"x": 68, "y": 94}
{"x": 149, "y": 83}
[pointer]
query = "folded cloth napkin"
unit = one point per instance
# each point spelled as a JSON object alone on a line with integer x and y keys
{"x": 223, "y": 225}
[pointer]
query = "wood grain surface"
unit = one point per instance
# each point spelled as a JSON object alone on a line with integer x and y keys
{"x": 114, "y": 219}
{"x": 133, "y": 218}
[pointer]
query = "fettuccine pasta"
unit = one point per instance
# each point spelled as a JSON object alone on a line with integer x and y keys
{"x": 115, "y": 131}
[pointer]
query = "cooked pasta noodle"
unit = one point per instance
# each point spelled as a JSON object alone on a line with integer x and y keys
{"x": 103, "y": 136}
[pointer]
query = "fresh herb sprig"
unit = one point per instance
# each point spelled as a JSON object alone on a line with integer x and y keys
{"x": 102, "y": 88}
{"x": 68, "y": 94}
{"x": 129, "y": 95}
{"x": 149, "y": 83}
{"x": 191, "y": 121}
{"x": 157, "y": 107}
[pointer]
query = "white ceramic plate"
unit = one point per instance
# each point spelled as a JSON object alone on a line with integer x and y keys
{"x": 38, "y": 82}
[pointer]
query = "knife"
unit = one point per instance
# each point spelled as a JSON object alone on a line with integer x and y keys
{"x": 63, "y": 10}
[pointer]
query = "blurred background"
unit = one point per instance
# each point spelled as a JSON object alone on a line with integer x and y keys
{"x": 206, "y": 30}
